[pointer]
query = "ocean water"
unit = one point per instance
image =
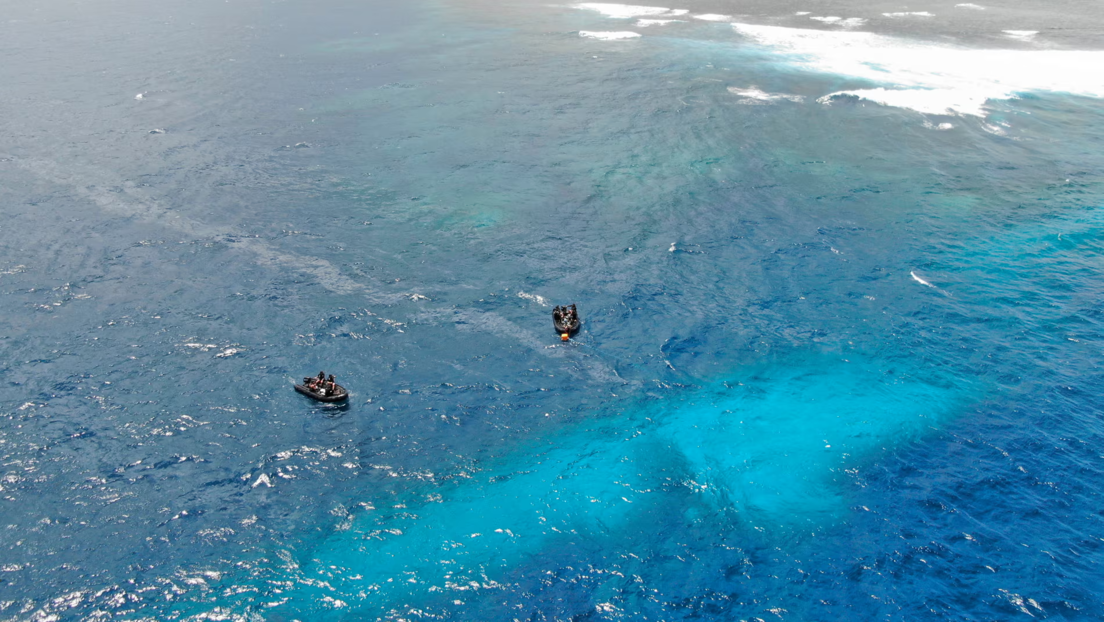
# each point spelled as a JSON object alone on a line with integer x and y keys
{"x": 839, "y": 267}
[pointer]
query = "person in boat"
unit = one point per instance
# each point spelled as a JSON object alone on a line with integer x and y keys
{"x": 331, "y": 384}
{"x": 565, "y": 317}
{"x": 572, "y": 314}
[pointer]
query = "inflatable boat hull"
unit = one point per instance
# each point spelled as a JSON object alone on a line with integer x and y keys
{"x": 339, "y": 396}
{"x": 562, "y": 328}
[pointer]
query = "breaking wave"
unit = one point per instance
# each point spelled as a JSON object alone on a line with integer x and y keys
{"x": 930, "y": 78}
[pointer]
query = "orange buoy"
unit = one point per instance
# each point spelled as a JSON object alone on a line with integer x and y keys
{"x": 563, "y": 336}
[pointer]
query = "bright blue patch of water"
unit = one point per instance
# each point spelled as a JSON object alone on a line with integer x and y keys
{"x": 769, "y": 457}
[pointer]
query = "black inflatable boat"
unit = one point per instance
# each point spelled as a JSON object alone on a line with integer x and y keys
{"x": 561, "y": 324}
{"x": 339, "y": 395}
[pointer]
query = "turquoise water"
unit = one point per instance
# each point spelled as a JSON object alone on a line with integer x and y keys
{"x": 839, "y": 279}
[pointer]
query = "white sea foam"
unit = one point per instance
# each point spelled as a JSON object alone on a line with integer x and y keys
{"x": 609, "y": 36}
{"x": 754, "y": 95}
{"x": 625, "y": 11}
{"x": 802, "y": 13}
{"x": 534, "y": 297}
{"x": 1022, "y": 35}
{"x": 927, "y": 101}
{"x": 910, "y": 14}
{"x": 995, "y": 130}
{"x": 644, "y": 23}
{"x": 713, "y": 17}
{"x": 929, "y": 77}
{"x": 941, "y": 126}
{"x": 970, "y": 5}
{"x": 850, "y": 22}
{"x": 920, "y": 280}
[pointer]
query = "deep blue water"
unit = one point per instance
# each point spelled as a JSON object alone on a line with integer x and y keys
{"x": 840, "y": 281}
